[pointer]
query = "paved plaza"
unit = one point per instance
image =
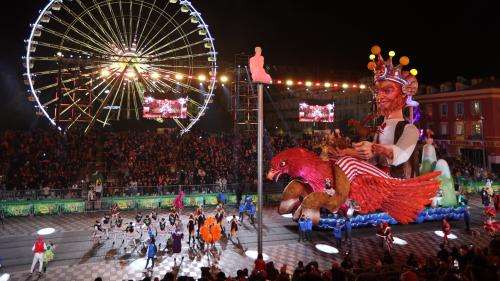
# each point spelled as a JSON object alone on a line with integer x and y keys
{"x": 78, "y": 259}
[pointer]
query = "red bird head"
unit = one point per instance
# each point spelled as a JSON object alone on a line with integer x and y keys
{"x": 301, "y": 164}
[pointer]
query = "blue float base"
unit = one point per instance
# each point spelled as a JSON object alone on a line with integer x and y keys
{"x": 429, "y": 214}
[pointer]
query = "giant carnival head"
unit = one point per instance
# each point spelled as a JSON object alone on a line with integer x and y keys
{"x": 394, "y": 86}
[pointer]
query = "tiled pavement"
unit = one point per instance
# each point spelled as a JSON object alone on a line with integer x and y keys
{"x": 77, "y": 259}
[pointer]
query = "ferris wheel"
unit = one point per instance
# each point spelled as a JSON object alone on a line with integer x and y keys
{"x": 94, "y": 62}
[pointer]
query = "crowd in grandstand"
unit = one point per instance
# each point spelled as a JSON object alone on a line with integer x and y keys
{"x": 44, "y": 161}
{"x": 465, "y": 170}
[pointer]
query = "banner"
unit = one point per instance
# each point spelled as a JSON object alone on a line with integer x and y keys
{"x": 163, "y": 108}
{"x": 211, "y": 200}
{"x": 316, "y": 113}
{"x": 123, "y": 203}
{"x": 167, "y": 202}
{"x": 46, "y": 208}
{"x": 73, "y": 207}
{"x": 17, "y": 209}
{"x": 147, "y": 203}
{"x": 231, "y": 199}
{"x": 193, "y": 200}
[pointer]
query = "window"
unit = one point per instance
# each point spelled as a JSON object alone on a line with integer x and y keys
{"x": 428, "y": 110}
{"x": 444, "y": 128}
{"x": 459, "y": 109}
{"x": 476, "y": 108}
{"x": 476, "y": 128}
{"x": 459, "y": 128}
{"x": 443, "y": 108}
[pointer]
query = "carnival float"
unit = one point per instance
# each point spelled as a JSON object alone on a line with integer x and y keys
{"x": 378, "y": 181}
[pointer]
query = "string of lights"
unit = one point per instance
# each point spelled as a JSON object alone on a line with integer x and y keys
{"x": 288, "y": 82}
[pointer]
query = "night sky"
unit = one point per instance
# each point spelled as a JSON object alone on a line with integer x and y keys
{"x": 442, "y": 38}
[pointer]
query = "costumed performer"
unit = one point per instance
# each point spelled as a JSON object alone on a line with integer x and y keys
{"x": 178, "y": 201}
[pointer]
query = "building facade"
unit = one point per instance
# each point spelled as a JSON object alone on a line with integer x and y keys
{"x": 465, "y": 121}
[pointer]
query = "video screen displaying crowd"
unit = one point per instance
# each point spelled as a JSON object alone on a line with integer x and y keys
{"x": 43, "y": 161}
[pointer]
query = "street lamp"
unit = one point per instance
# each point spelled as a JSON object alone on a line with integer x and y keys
{"x": 481, "y": 120}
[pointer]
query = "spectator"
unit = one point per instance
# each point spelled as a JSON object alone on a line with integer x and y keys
{"x": 409, "y": 276}
{"x": 337, "y": 272}
{"x": 347, "y": 263}
{"x": 283, "y": 275}
{"x": 411, "y": 261}
{"x": 271, "y": 272}
{"x": 299, "y": 271}
{"x": 259, "y": 264}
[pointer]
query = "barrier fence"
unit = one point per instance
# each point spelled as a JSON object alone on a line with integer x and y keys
{"x": 64, "y": 206}
{"x": 110, "y": 191}
{"x": 78, "y": 200}
{"x": 61, "y": 201}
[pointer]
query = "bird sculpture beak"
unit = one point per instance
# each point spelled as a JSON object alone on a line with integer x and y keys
{"x": 273, "y": 175}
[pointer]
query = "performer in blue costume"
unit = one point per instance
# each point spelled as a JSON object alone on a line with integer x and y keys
{"x": 248, "y": 207}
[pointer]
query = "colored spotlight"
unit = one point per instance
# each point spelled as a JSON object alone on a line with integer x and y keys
{"x": 224, "y": 79}
{"x": 253, "y": 255}
{"x": 399, "y": 241}
{"x": 326, "y": 249}
{"x": 441, "y": 234}
{"x": 46, "y": 231}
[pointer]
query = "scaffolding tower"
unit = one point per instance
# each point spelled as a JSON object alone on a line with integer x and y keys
{"x": 244, "y": 98}
{"x": 74, "y": 92}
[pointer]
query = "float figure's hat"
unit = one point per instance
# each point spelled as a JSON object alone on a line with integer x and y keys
{"x": 386, "y": 70}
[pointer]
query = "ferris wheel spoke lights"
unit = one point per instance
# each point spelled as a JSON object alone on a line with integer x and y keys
{"x": 92, "y": 62}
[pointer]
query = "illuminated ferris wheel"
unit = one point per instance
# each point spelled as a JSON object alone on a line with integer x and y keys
{"x": 95, "y": 62}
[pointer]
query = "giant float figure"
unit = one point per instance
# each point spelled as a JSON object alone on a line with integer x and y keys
{"x": 377, "y": 176}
